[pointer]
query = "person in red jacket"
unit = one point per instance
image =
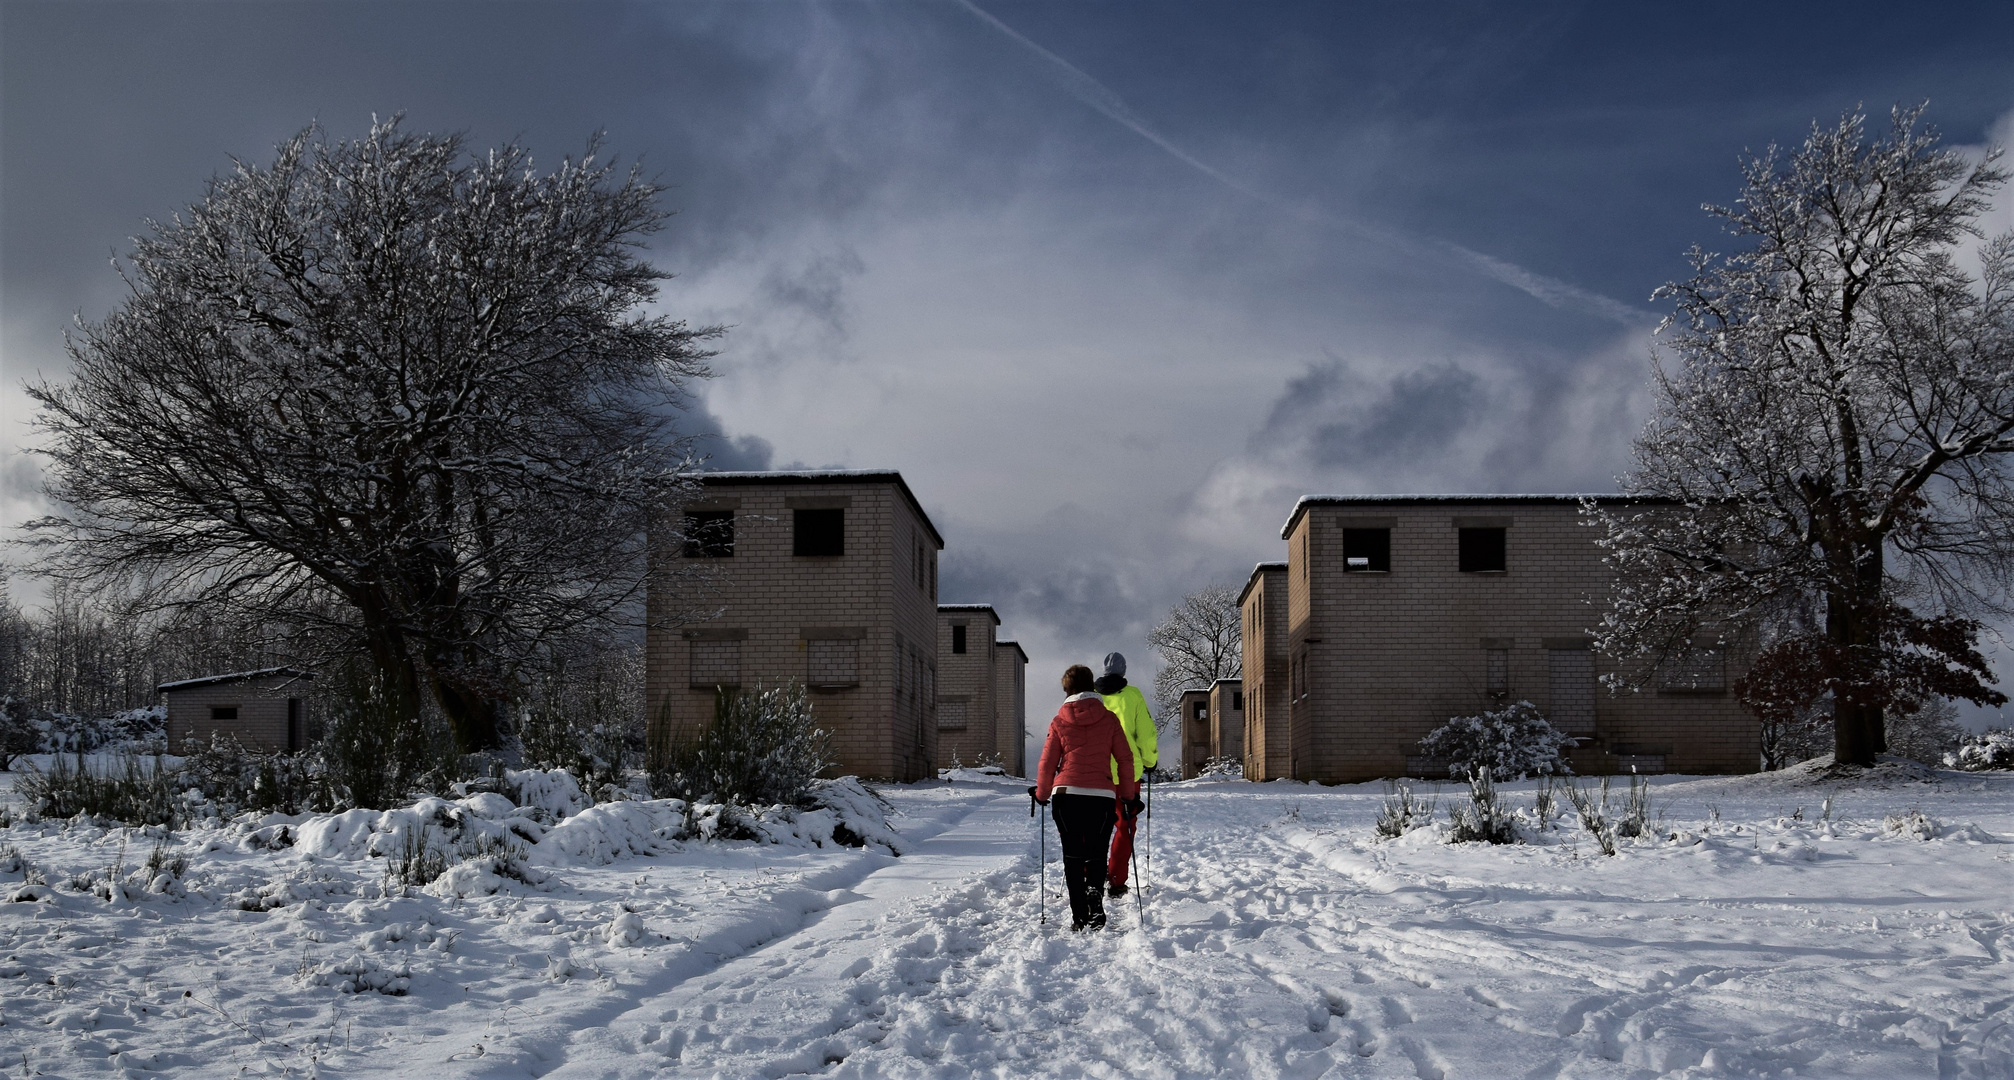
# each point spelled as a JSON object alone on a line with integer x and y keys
{"x": 1076, "y": 779}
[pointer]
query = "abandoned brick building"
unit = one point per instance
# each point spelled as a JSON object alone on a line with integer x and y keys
{"x": 981, "y": 690}
{"x": 826, "y": 577}
{"x": 265, "y": 709}
{"x": 1213, "y": 725}
{"x": 1393, "y": 614}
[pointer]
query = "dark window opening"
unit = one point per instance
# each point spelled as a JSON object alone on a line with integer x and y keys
{"x": 1237, "y": 701}
{"x": 297, "y": 736}
{"x": 709, "y": 534}
{"x": 223, "y": 712}
{"x": 958, "y": 639}
{"x": 1496, "y": 671}
{"x": 1367, "y": 550}
{"x": 819, "y": 532}
{"x": 1482, "y": 551}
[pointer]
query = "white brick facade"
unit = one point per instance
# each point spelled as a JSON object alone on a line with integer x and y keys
{"x": 859, "y": 627}
{"x": 1375, "y": 659}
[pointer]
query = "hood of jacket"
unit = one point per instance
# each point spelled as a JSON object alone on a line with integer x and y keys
{"x": 1081, "y": 709}
{"x": 1110, "y": 684}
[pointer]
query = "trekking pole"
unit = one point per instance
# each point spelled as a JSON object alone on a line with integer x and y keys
{"x": 1139, "y": 886}
{"x": 1148, "y": 824}
{"x": 1042, "y": 902}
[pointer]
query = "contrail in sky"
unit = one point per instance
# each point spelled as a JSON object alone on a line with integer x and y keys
{"x": 1547, "y": 290}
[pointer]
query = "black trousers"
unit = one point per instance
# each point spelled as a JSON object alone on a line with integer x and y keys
{"x": 1084, "y": 822}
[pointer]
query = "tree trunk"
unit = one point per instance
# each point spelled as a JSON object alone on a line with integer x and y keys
{"x": 471, "y": 716}
{"x": 1853, "y": 622}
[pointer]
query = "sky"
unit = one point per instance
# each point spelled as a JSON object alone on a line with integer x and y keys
{"x": 1111, "y": 284}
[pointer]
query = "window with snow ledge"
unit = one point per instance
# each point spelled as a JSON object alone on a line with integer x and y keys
{"x": 1367, "y": 551}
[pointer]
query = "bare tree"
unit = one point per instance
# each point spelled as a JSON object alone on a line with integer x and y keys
{"x": 1832, "y": 439}
{"x": 1200, "y": 642}
{"x": 388, "y": 388}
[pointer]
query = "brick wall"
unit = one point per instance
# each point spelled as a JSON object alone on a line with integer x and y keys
{"x": 1227, "y": 719}
{"x": 1269, "y": 753}
{"x": 968, "y": 722}
{"x": 1010, "y": 695}
{"x": 1391, "y": 656}
{"x": 1195, "y": 730}
{"x": 773, "y": 606}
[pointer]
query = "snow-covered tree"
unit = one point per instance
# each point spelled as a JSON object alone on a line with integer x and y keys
{"x": 390, "y": 386}
{"x": 1200, "y": 642}
{"x": 1830, "y": 449}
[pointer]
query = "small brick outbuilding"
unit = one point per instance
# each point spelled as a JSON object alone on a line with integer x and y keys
{"x": 265, "y": 709}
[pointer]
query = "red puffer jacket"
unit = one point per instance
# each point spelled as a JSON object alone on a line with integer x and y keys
{"x": 1084, "y": 740}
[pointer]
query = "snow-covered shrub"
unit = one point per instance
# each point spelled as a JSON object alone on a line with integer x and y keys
{"x": 1402, "y": 812}
{"x": 552, "y": 794}
{"x": 842, "y": 812}
{"x": 1591, "y": 805}
{"x": 1991, "y": 749}
{"x": 417, "y": 861}
{"x": 138, "y": 791}
{"x": 483, "y": 864}
{"x": 21, "y": 726}
{"x": 763, "y": 748}
{"x": 583, "y": 717}
{"x": 1926, "y": 733}
{"x": 235, "y": 777}
{"x": 599, "y": 835}
{"x": 1635, "y": 819}
{"x": 1221, "y": 768}
{"x": 360, "y": 974}
{"x": 1512, "y": 742}
{"x": 1485, "y": 818}
{"x": 379, "y": 751}
{"x": 1544, "y": 803}
{"x": 1914, "y": 823}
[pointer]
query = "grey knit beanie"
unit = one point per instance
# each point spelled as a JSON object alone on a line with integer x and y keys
{"x": 1115, "y": 664}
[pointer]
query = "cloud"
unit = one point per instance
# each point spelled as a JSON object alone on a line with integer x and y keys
{"x": 1482, "y": 422}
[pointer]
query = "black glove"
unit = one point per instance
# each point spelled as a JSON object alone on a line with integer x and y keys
{"x": 1031, "y": 794}
{"x": 1135, "y": 806}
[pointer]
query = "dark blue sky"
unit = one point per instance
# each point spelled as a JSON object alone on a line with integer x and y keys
{"x": 1111, "y": 283}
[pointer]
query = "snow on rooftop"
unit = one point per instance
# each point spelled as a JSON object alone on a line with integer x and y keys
{"x": 235, "y": 676}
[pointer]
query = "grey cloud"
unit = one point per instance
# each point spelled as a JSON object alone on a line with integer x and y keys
{"x": 817, "y": 289}
{"x": 722, "y": 452}
{"x": 1079, "y": 602}
{"x": 1415, "y": 413}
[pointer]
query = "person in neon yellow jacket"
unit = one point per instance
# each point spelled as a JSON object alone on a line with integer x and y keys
{"x": 1130, "y": 706}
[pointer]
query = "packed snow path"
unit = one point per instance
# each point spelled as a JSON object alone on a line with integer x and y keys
{"x": 1761, "y": 936}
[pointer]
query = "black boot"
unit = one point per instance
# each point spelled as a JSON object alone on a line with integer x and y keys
{"x": 1096, "y": 918}
{"x": 1076, "y": 877}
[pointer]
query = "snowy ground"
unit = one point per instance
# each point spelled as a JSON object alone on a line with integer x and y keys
{"x": 1280, "y": 940}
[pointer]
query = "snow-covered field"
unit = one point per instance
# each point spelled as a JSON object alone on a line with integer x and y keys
{"x": 1279, "y": 940}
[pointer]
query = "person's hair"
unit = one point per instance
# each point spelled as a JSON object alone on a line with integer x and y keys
{"x": 1077, "y": 679}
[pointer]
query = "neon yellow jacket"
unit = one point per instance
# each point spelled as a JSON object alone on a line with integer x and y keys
{"x": 1130, "y": 706}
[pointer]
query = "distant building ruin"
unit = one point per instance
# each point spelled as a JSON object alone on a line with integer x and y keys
{"x": 264, "y": 709}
